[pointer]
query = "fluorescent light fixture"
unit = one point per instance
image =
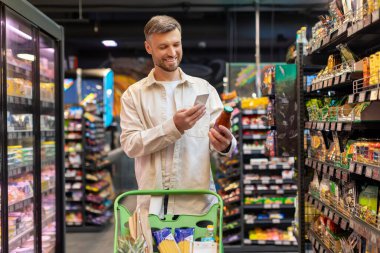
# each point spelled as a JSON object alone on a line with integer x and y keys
{"x": 20, "y": 33}
{"x": 28, "y": 57}
{"x": 109, "y": 43}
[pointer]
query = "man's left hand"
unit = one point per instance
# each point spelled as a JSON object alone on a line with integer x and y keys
{"x": 220, "y": 140}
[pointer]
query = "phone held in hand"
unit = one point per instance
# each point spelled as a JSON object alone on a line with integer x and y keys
{"x": 201, "y": 99}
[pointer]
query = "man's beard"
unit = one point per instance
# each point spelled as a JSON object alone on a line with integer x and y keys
{"x": 171, "y": 68}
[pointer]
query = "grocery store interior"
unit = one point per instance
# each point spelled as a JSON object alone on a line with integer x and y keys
{"x": 296, "y": 83}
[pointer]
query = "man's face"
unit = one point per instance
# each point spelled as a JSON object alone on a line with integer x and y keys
{"x": 166, "y": 49}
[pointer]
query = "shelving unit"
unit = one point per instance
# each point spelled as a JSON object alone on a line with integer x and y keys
{"x": 353, "y": 171}
{"x": 243, "y": 177}
{"x": 31, "y": 146}
{"x": 90, "y": 201}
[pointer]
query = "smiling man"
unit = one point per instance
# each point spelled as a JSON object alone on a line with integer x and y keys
{"x": 170, "y": 137}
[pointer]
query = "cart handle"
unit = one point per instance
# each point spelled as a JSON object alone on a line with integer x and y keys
{"x": 170, "y": 192}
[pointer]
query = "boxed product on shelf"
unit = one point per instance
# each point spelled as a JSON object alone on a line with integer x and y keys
{"x": 19, "y": 122}
{"x": 272, "y": 234}
{"x": 255, "y": 103}
{"x": 19, "y": 87}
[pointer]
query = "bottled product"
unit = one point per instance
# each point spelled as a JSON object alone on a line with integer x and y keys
{"x": 209, "y": 236}
{"x": 224, "y": 118}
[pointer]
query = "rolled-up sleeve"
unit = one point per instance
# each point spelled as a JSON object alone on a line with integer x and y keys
{"x": 138, "y": 141}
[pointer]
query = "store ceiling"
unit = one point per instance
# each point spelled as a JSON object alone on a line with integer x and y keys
{"x": 226, "y": 26}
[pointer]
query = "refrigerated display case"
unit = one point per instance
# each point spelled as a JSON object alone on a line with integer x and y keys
{"x": 31, "y": 124}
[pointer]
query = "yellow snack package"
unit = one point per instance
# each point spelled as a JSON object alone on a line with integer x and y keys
{"x": 165, "y": 241}
{"x": 185, "y": 238}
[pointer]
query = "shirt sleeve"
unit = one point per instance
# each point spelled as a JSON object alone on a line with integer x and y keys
{"x": 216, "y": 107}
{"x": 138, "y": 141}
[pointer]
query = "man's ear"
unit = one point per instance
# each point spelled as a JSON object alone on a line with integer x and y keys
{"x": 148, "y": 48}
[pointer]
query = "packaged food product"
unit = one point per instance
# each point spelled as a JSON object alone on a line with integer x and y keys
{"x": 185, "y": 238}
{"x": 165, "y": 241}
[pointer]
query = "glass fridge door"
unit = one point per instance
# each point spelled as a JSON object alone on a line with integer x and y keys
{"x": 48, "y": 78}
{"x": 20, "y": 63}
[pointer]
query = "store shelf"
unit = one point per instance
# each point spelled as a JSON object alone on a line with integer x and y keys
{"x": 269, "y": 221}
{"x": 254, "y": 152}
{"x": 268, "y": 167}
{"x": 47, "y": 104}
{"x": 269, "y": 192}
{"x": 367, "y": 170}
{"x": 338, "y": 217}
{"x": 73, "y": 224}
{"x": 19, "y": 135}
{"x": 98, "y": 190}
{"x": 254, "y": 137}
{"x": 21, "y": 238}
{"x": 342, "y": 81}
{"x": 249, "y": 127}
{"x": 268, "y": 242}
{"x": 254, "y": 112}
{"x": 328, "y": 169}
{"x": 228, "y": 203}
{"x": 269, "y": 181}
{"x": 268, "y": 206}
{"x": 20, "y": 204}
{"x": 366, "y": 230}
{"x": 48, "y": 133}
{"x": 340, "y": 126}
{"x": 231, "y": 229}
{"x": 317, "y": 243}
{"x": 231, "y": 239}
{"x": 13, "y": 100}
{"x": 15, "y": 171}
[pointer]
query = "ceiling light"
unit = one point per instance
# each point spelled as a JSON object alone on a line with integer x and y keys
{"x": 109, "y": 43}
{"x": 28, "y": 57}
{"x": 20, "y": 33}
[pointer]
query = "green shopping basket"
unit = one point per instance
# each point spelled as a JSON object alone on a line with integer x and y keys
{"x": 122, "y": 215}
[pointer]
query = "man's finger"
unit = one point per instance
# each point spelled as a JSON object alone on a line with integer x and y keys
{"x": 220, "y": 137}
{"x": 192, "y": 122}
{"x": 214, "y": 142}
{"x": 194, "y": 109}
{"x": 225, "y": 132}
{"x": 197, "y": 115}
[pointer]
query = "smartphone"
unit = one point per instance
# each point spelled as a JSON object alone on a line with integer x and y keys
{"x": 201, "y": 99}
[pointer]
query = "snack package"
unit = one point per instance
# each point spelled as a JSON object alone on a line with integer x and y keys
{"x": 165, "y": 241}
{"x": 185, "y": 238}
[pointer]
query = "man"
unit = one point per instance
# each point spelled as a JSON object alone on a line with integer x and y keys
{"x": 170, "y": 137}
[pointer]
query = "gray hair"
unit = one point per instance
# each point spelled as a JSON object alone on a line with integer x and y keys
{"x": 161, "y": 24}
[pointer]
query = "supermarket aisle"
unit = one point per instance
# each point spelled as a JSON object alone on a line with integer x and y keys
{"x": 90, "y": 242}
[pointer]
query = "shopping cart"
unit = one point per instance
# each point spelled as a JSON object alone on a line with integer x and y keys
{"x": 122, "y": 215}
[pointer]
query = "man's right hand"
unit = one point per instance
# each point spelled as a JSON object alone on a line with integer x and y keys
{"x": 185, "y": 119}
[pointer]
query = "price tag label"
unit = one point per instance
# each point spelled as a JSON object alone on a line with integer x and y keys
{"x": 319, "y": 168}
{"x": 317, "y": 245}
{"x": 367, "y": 20}
{"x": 265, "y": 181}
{"x": 338, "y": 174}
{"x": 279, "y": 181}
{"x": 280, "y": 191}
{"x": 374, "y": 95}
{"x": 343, "y": 224}
{"x": 376, "y": 173}
{"x": 321, "y": 84}
{"x": 261, "y": 242}
{"x": 308, "y": 89}
{"x": 336, "y": 80}
{"x": 313, "y": 87}
{"x": 267, "y": 206}
{"x": 351, "y": 98}
{"x": 324, "y": 84}
{"x": 330, "y": 82}
{"x": 362, "y": 96}
{"x": 354, "y": 28}
{"x": 368, "y": 171}
{"x": 277, "y": 242}
{"x": 352, "y": 167}
{"x": 332, "y": 171}
{"x": 313, "y": 125}
{"x": 345, "y": 176}
{"x": 333, "y": 126}
{"x": 327, "y": 126}
{"x": 326, "y": 212}
{"x": 343, "y": 78}
{"x": 274, "y": 206}
{"x": 375, "y": 16}
{"x": 359, "y": 169}
{"x": 360, "y": 25}
{"x": 339, "y": 126}
{"x": 336, "y": 219}
{"x": 276, "y": 221}
{"x": 331, "y": 215}
{"x": 325, "y": 169}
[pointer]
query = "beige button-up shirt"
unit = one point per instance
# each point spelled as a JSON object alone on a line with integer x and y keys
{"x": 147, "y": 132}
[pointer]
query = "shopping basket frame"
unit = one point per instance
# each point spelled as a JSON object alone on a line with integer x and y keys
{"x": 168, "y": 218}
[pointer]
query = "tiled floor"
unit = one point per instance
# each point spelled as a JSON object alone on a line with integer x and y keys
{"x": 101, "y": 242}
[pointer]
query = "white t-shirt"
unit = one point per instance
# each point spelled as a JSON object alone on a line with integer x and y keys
{"x": 170, "y": 111}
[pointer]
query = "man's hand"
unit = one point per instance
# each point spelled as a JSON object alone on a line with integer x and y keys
{"x": 220, "y": 140}
{"x": 185, "y": 119}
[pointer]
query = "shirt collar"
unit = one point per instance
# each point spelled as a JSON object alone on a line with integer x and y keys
{"x": 183, "y": 77}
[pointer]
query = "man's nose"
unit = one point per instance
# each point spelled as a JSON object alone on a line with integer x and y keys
{"x": 171, "y": 51}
